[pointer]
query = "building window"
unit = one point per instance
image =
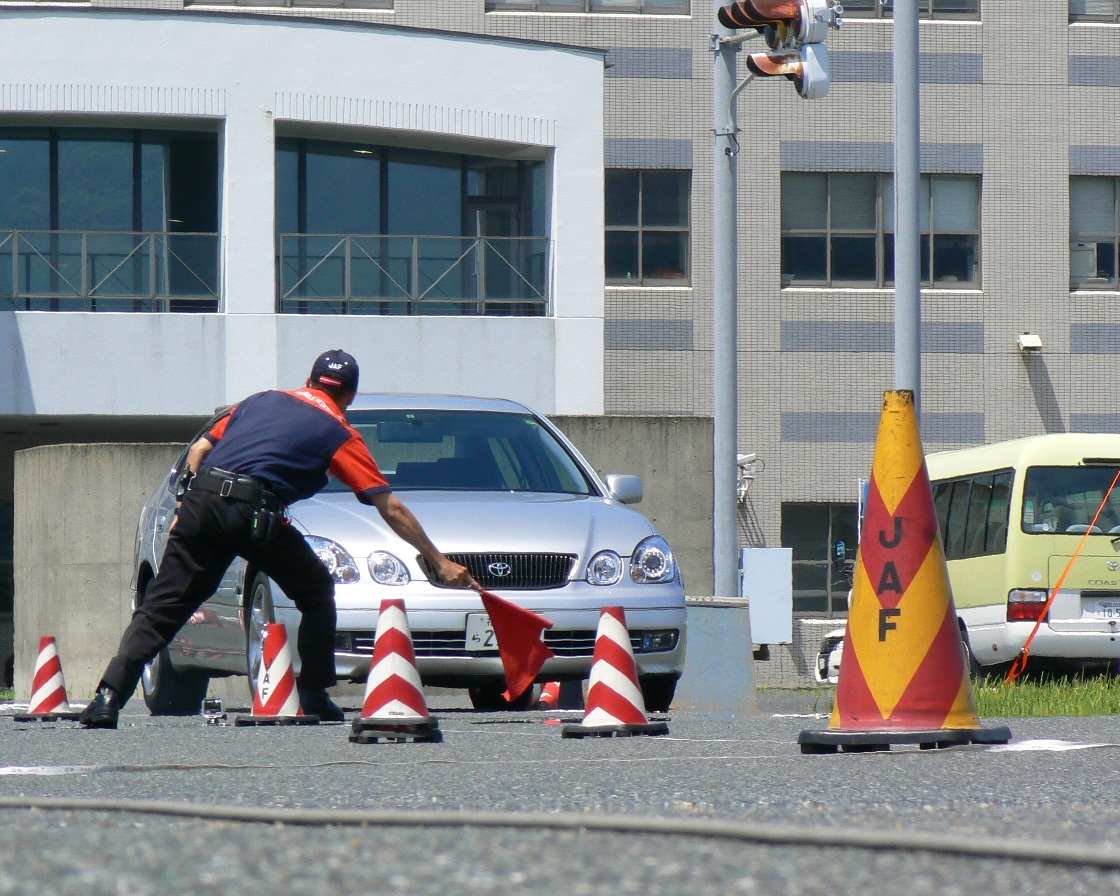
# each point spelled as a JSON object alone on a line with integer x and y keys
{"x": 648, "y": 7}
{"x": 647, "y": 221}
{"x": 821, "y": 579}
{"x": 419, "y": 232}
{"x": 108, "y": 220}
{"x": 1093, "y": 232}
{"x": 838, "y": 230}
{"x": 1092, "y": 10}
{"x": 927, "y": 9}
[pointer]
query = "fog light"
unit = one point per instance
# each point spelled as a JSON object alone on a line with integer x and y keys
{"x": 661, "y": 640}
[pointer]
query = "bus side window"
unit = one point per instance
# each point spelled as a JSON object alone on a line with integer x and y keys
{"x": 941, "y": 494}
{"x": 999, "y": 514}
{"x": 957, "y": 520}
{"x": 976, "y": 529}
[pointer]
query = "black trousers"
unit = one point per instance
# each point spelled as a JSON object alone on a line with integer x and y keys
{"x": 210, "y": 532}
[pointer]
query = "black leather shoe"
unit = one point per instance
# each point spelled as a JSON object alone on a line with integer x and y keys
{"x": 102, "y": 711}
{"x": 317, "y": 702}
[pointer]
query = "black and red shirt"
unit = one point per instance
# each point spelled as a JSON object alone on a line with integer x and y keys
{"x": 290, "y": 440}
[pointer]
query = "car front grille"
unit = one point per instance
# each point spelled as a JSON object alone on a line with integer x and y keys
{"x": 580, "y": 642}
{"x": 512, "y": 572}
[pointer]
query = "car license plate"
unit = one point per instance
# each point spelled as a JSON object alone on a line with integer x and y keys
{"x": 1107, "y": 609}
{"x": 480, "y": 632}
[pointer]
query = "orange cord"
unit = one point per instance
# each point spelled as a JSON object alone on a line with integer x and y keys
{"x": 1020, "y": 663}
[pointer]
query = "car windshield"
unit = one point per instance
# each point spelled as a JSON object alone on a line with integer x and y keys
{"x": 467, "y": 451}
{"x": 1065, "y": 499}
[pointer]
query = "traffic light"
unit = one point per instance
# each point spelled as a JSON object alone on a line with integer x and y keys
{"x": 794, "y": 31}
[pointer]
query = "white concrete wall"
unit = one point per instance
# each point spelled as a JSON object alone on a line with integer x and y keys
{"x": 252, "y": 77}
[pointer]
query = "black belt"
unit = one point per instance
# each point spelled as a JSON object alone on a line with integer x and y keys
{"x": 237, "y": 486}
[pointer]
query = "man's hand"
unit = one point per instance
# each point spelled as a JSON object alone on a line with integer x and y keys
{"x": 451, "y": 573}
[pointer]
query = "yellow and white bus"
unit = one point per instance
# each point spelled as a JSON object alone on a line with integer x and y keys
{"x": 1011, "y": 515}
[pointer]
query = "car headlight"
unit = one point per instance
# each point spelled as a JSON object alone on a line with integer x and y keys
{"x": 605, "y": 568}
{"x": 652, "y": 562}
{"x": 335, "y": 558}
{"x": 387, "y": 569}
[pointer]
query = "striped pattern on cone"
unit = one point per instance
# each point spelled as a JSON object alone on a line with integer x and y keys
{"x": 903, "y": 666}
{"x": 393, "y": 690}
{"x": 276, "y": 681}
{"x": 48, "y": 689}
{"x": 613, "y": 694}
{"x": 550, "y": 695}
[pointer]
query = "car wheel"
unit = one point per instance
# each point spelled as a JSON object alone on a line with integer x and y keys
{"x": 259, "y": 615}
{"x": 169, "y": 692}
{"x": 488, "y": 697}
{"x": 658, "y": 691}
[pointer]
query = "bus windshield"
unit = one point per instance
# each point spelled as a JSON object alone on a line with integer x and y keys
{"x": 467, "y": 451}
{"x": 1065, "y": 499}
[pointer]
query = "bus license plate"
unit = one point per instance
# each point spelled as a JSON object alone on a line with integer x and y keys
{"x": 480, "y": 632}
{"x": 1107, "y": 609}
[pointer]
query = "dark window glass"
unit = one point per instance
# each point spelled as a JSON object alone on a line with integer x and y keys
{"x": 622, "y": 198}
{"x": 647, "y": 218}
{"x": 820, "y": 583}
{"x": 95, "y": 182}
{"x": 425, "y": 193}
{"x": 25, "y": 181}
{"x": 804, "y": 258}
{"x": 664, "y": 199}
{"x": 853, "y": 258}
{"x": 622, "y": 255}
{"x": 343, "y": 190}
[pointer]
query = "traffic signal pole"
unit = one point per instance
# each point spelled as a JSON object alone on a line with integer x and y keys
{"x": 725, "y": 314}
{"x": 907, "y": 202}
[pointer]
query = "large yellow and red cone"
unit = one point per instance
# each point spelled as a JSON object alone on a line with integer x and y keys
{"x": 903, "y": 675}
{"x": 394, "y": 708}
{"x": 275, "y": 699}
{"x": 614, "y": 697}
{"x": 48, "y": 688}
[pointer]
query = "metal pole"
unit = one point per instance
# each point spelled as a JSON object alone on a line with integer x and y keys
{"x": 907, "y": 202}
{"x": 725, "y": 317}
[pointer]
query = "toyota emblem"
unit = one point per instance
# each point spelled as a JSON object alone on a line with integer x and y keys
{"x": 499, "y": 570}
{"x": 1113, "y": 565}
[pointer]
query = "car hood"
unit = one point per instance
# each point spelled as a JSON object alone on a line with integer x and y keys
{"x": 460, "y": 522}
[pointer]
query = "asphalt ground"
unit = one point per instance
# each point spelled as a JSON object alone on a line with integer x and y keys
{"x": 506, "y": 805}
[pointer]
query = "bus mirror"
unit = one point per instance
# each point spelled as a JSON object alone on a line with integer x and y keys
{"x": 840, "y": 553}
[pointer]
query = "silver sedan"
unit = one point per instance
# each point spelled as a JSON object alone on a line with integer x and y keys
{"x": 500, "y": 490}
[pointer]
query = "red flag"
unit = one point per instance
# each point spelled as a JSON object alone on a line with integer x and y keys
{"x": 519, "y": 642}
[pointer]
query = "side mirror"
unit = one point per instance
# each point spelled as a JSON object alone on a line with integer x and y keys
{"x": 839, "y": 554}
{"x": 625, "y": 488}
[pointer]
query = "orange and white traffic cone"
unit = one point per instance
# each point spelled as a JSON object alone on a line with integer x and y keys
{"x": 275, "y": 699}
{"x": 903, "y": 676}
{"x": 550, "y": 696}
{"x": 614, "y": 698}
{"x": 48, "y": 688}
{"x": 394, "y": 708}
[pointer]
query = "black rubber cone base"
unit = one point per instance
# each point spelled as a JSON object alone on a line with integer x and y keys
{"x": 651, "y": 729}
{"x": 371, "y": 731}
{"x": 45, "y": 717}
{"x": 275, "y": 720}
{"x": 830, "y": 741}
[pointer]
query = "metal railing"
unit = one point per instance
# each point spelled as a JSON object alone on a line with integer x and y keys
{"x": 411, "y": 275}
{"x": 74, "y": 270}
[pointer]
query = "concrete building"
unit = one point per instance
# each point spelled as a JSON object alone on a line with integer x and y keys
{"x": 294, "y": 175}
